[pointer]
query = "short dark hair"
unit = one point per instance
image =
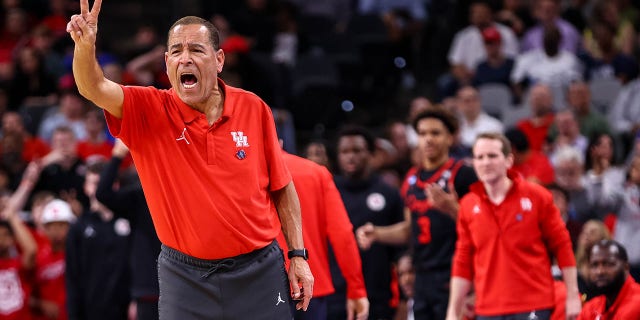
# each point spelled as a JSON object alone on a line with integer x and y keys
{"x": 605, "y": 243}
{"x": 439, "y": 113}
{"x": 356, "y": 130}
{"x": 214, "y": 34}
{"x": 518, "y": 139}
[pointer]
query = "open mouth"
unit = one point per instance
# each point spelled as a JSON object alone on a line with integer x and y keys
{"x": 188, "y": 80}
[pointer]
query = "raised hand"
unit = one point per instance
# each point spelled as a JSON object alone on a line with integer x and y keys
{"x": 83, "y": 27}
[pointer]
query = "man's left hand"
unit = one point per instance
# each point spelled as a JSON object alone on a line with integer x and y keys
{"x": 301, "y": 281}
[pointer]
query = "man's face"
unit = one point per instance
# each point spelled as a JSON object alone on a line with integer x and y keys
{"x": 607, "y": 272}
{"x": 469, "y": 102}
{"x": 353, "y": 155}
{"x": 489, "y": 162}
{"x": 569, "y": 174}
{"x": 406, "y": 276}
{"x": 434, "y": 140}
{"x": 57, "y": 232}
{"x": 193, "y": 64}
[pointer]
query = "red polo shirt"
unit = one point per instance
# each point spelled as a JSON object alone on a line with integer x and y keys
{"x": 207, "y": 186}
{"x": 504, "y": 249}
{"x": 324, "y": 217}
{"x": 626, "y": 306}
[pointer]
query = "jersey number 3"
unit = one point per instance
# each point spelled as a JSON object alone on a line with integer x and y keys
{"x": 424, "y": 224}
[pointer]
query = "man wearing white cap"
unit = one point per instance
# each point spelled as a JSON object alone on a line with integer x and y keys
{"x": 50, "y": 263}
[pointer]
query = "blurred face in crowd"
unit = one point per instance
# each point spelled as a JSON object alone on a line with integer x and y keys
{"x": 561, "y": 202}
{"x": 546, "y": 10}
{"x": 579, "y": 97}
{"x": 353, "y": 156}
{"x": 592, "y": 232}
{"x": 12, "y": 122}
{"x": 317, "y": 153}
{"x": 540, "y": 100}
{"x": 569, "y": 174}
{"x": 489, "y": 160}
{"x": 480, "y": 15}
{"x": 406, "y": 275}
{"x": 603, "y": 149}
{"x": 64, "y": 141}
{"x": 91, "y": 184}
{"x": 57, "y": 232}
{"x": 469, "y": 102}
{"x": 567, "y": 124}
{"x": 607, "y": 272}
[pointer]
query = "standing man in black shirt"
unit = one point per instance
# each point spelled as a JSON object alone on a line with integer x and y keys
{"x": 367, "y": 199}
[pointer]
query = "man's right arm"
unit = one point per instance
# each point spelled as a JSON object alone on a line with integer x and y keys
{"x": 88, "y": 75}
{"x": 395, "y": 234}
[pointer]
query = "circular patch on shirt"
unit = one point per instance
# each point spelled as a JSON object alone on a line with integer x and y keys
{"x": 412, "y": 180}
{"x": 122, "y": 227}
{"x": 376, "y": 202}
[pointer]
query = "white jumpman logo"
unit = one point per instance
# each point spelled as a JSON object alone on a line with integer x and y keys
{"x": 279, "y": 299}
{"x": 183, "y": 137}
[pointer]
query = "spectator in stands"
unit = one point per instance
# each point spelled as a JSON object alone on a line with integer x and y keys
{"x": 592, "y": 231}
{"x": 568, "y": 165}
{"x": 96, "y": 143}
{"x": 497, "y": 67}
{"x": 609, "y": 276}
{"x": 406, "y": 282}
{"x": 70, "y": 113}
{"x": 625, "y": 112}
{"x": 603, "y": 178}
{"x": 33, "y": 147}
{"x": 536, "y": 128}
{"x": 49, "y": 298}
{"x": 13, "y": 36}
{"x": 43, "y": 41}
{"x": 550, "y": 64}
{"x": 608, "y": 62}
{"x": 589, "y": 120}
{"x": 128, "y": 202}
{"x": 464, "y": 53}
{"x": 16, "y": 264}
{"x": 317, "y": 152}
{"x": 11, "y": 160}
{"x": 562, "y": 200}
{"x": 628, "y": 213}
{"x": 547, "y": 12}
{"x": 566, "y": 132}
{"x": 31, "y": 85}
{"x": 63, "y": 172}
{"x": 605, "y": 14}
{"x": 533, "y": 165}
{"x": 473, "y": 120}
{"x": 97, "y": 254}
{"x": 515, "y": 14}
{"x": 367, "y": 199}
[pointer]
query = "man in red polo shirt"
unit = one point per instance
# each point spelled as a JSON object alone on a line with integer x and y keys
{"x": 609, "y": 276}
{"x": 506, "y": 228}
{"x": 213, "y": 175}
{"x": 325, "y": 220}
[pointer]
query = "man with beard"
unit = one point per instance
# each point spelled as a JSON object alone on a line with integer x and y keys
{"x": 619, "y": 294}
{"x": 368, "y": 199}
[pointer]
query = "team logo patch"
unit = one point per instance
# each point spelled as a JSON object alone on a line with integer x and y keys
{"x": 240, "y": 139}
{"x": 412, "y": 180}
{"x": 241, "y": 155}
{"x": 11, "y": 294}
{"x": 376, "y": 202}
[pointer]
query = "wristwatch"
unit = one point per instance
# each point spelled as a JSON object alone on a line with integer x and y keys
{"x": 303, "y": 253}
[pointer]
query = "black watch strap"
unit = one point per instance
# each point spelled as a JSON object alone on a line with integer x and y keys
{"x": 303, "y": 253}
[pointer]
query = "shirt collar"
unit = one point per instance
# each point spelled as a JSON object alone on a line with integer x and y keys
{"x": 190, "y": 114}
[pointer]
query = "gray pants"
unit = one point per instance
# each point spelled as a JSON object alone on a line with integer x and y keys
{"x": 250, "y": 286}
{"x": 531, "y": 315}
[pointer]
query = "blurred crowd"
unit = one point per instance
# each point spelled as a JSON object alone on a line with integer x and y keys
{"x": 559, "y": 78}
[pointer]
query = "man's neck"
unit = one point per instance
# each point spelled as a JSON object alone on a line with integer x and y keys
{"x": 497, "y": 190}
{"x": 433, "y": 164}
